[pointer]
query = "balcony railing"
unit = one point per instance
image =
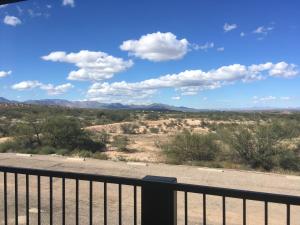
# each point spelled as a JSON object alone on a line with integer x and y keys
{"x": 153, "y": 200}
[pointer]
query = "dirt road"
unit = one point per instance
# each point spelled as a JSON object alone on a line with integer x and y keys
{"x": 254, "y": 181}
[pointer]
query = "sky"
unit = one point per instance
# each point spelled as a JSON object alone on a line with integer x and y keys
{"x": 202, "y": 54}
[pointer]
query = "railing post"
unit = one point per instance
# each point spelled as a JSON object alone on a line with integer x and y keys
{"x": 159, "y": 201}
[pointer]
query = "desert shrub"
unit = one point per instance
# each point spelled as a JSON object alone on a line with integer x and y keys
{"x": 4, "y": 129}
{"x": 289, "y": 160}
{"x": 83, "y": 153}
{"x": 188, "y": 146}
{"x": 46, "y": 150}
{"x": 100, "y": 155}
{"x": 152, "y": 116}
{"x": 120, "y": 142}
{"x": 129, "y": 128}
{"x": 259, "y": 146}
{"x": 154, "y": 130}
{"x": 104, "y": 137}
{"x": 66, "y": 133}
{"x": 9, "y": 146}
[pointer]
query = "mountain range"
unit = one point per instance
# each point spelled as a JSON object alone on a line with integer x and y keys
{"x": 119, "y": 106}
{"x": 98, "y": 105}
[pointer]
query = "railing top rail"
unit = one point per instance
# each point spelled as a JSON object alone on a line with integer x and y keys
{"x": 72, "y": 175}
{"x": 201, "y": 189}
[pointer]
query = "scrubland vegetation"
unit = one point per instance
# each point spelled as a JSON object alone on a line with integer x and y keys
{"x": 268, "y": 141}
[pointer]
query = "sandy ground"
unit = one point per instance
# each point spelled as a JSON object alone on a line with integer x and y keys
{"x": 5, "y": 139}
{"x": 144, "y": 144}
{"x": 255, "y": 181}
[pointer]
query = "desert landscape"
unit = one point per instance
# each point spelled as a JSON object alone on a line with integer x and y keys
{"x": 250, "y": 140}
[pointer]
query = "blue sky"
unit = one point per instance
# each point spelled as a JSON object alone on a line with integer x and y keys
{"x": 202, "y": 54}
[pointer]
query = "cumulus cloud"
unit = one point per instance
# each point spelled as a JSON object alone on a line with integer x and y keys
{"x": 229, "y": 27}
{"x": 284, "y": 69}
{"x": 157, "y": 47}
{"x": 263, "y": 30}
{"x": 68, "y": 3}
{"x": 93, "y": 66}
{"x": 12, "y": 21}
{"x": 5, "y": 73}
{"x": 50, "y": 88}
{"x": 204, "y": 47}
{"x": 188, "y": 82}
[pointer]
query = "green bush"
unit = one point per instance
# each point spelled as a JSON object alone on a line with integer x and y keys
{"x": 188, "y": 146}
{"x": 9, "y": 146}
{"x": 152, "y": 116}
{"x": 100, "y": 155}
{"x": 120, "y": 142}
{"x": 83, "y": 153}
{"x": 66, "y": 133}
{"x": 129, "y": 128}
{"x": 289, "y": 160}
{"x": 104, "y": 137}
{"x": 154, "y": 130}
{"x": 47, "y": 150}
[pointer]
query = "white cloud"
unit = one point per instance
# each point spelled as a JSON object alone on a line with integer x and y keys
{"x": 204, "y": 47}
{"x": 157, "y": 47}
{"x": 188, "y": 82}
{"x": 5, "y": 73}
{"x": 176, "y": 98}
{"x": 93, "y": 66}
{"x": 221, "y": 49}
{"x": 229, "y": 27}
{"x": 26, "y": 85}
{"x": 56, "y": 90}
{"x": 33, "y": 13}
{"x": 50, "y": 88}
{"x": 242, "y": 34}
{"x": 12, "y": 21}
{"x": 3, "y": 6}
{"x": 270, "y": 98}
{"x": 68, "y": 3}
{"x": 263, "y": 30}
{"x": 284, "y": 69}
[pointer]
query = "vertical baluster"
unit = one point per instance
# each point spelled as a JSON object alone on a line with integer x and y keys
{"x": 51, "y": 200}
{"x": 105, "y": 203}
{"x": 244, "y": 212}
{"x": 134, "y": 206}
{"x": 288, "y": 214}
{"x": 266, "y": 213}
{"x": 185, "y": 208}
{"x": 204, "y": 209}
{"x": 120, "y": 204}
{"x": 39, "y": 199}
{"x": 77, "y": 202}
{"x": 16, "y": 200}
{"x": 27, "y": 198}
{"x": 5, "y": 197}
{"x": 63, "y": 201}
{"x": 224, "y": 210}
{"x": 91, "y": 203}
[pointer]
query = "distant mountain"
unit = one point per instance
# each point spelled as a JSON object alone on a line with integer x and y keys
{"x": 119, "y": 106}
{"x": 4, "y": 100}
{"x": 99, "y": 105}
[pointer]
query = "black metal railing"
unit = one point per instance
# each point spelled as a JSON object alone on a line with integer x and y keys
{"x": 156, "y": 200}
